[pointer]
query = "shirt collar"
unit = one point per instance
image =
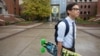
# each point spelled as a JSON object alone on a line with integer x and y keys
{"x": 69, "y": 18}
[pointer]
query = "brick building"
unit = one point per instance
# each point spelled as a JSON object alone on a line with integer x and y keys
{"x": 98, "y": 9}
{"x": 89, "y": 8}
{"x": 8, "y": 10}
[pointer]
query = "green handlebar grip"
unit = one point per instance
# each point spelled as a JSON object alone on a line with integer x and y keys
{"x": 42, "y": 50}
{"x": 43, "y": 41}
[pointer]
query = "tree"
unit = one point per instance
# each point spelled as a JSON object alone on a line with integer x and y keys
{"x": 36, "y": 8}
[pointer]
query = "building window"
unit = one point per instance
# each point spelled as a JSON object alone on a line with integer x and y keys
{"x": 5, "y": 8}
{"x": 81, "y": 12}
{"x": 0, "y": 1}
{"x": 75, "y": 0}
{"x": 90, "y": 0}
{"x": 15, "y": 11}
{"x": 0, "y": 10}
{"x": 85, "y": 6}
{"x": 84, "y": 18}
{"x": 85, "y": 12}
{"x": 88, "y": 6}
{"x": 81, "y": 6}
{"x": 88, "y": 12}
{"x": 14, "y": 0}
{"x": 85, "y": 0}
{"x": 80, "y": 0}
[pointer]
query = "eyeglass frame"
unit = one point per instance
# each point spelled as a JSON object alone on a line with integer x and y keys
{"x": 75, "y": 9}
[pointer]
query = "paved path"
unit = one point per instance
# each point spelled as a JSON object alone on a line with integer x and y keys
{"x": 25, "y": 40}
{"x": 7, "y": 31}
{"x": 94, "y": 31}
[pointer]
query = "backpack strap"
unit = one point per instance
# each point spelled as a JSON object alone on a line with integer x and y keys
{"x": 66, "y": 30}
{"x": 67, "y": 27}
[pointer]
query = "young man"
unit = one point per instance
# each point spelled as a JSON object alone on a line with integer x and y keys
{"x": 68, "y": 41}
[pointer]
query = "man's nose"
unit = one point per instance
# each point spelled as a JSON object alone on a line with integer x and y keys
{"x": 78, "y": 11}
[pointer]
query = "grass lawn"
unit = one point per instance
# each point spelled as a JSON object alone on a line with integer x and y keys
{"x": 24, "y": 23}
{"x": 87, "y": 23}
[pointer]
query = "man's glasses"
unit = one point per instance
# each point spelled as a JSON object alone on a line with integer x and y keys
{"x": 75, "y": 9}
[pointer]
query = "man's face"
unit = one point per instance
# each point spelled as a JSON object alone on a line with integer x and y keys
{"x": 75, "y": 12}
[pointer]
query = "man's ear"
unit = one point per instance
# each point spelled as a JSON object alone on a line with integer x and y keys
{"x": 69, "y": 11}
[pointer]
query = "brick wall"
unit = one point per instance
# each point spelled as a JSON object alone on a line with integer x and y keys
{"x": 98, "y": 9}
{"x": 88, "y": 10}
{"x": 12, "y": 9}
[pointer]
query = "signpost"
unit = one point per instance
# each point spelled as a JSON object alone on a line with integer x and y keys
{"x": 55, "y": 12}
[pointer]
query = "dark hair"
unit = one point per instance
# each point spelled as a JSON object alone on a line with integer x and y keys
{"x": 70, "y": 6}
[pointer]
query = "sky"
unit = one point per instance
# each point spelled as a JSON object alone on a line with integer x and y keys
{"x": 20, "y": 2}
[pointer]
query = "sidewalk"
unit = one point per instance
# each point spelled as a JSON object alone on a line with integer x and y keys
{"x": 27, "y": 43}
{"x": 7, "y": 31}
{"x": 93, "y": 31}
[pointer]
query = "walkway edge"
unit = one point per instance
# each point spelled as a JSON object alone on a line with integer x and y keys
{"x": 24, "y": 29}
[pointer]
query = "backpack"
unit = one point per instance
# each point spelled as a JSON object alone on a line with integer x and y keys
{"x": 56, "y": 29}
